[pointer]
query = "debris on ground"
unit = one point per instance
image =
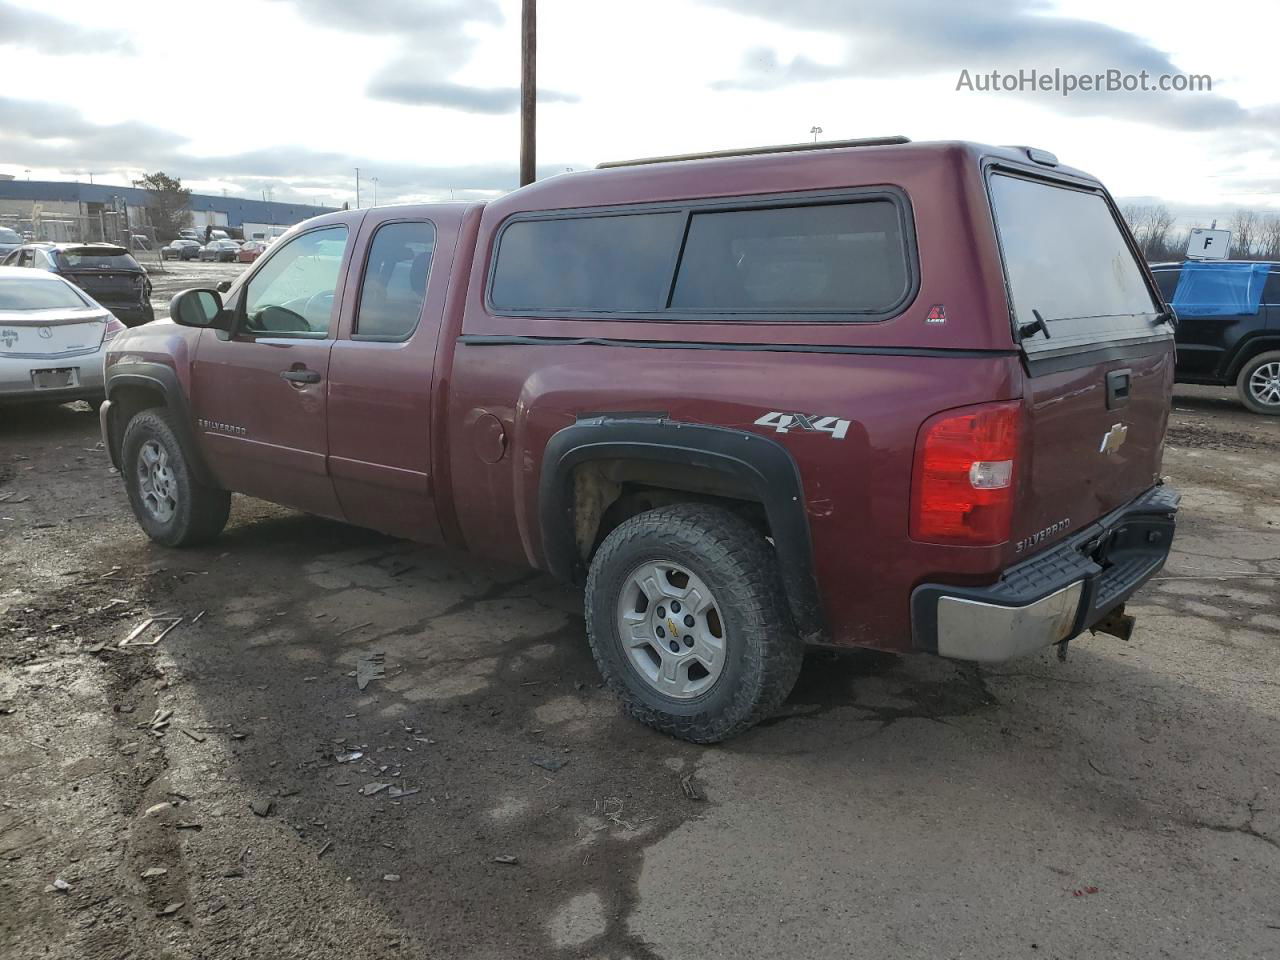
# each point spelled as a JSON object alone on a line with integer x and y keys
{"x": 152, "y": 872}
{"x": 398, "y": 792}
{"x": 348, "y": 757}
{"x": 171, "y": 909}
{"x": 548, "y": 763}
{"x": 321, "y": 852}
{"x": 507, "y": 858}
{"x": 370, "y": 667}
{"x": 369, "y": 789}
{"x": 262, "y": 807}
{"x": 197, "y": 737}
{"x": 691, "y": 790}
{"x": 156, "y": 808}
{"x": 59, "y": 885}
{"x": 391, "y": 877}
{"x": 166, "y": 623}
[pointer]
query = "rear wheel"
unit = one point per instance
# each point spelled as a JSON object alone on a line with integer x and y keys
{"x": 173, "y": 508}
{"x": 1259, "y": 383}
{"x": 688, "y": 622}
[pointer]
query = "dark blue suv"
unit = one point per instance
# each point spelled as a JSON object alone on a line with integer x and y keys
{"x": 1228, "y": 326}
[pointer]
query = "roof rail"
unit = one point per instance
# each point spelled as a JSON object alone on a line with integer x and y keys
{"x": 757, "y": 151}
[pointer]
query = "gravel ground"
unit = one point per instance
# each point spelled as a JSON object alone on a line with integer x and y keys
{"x": 1123, "y": 804}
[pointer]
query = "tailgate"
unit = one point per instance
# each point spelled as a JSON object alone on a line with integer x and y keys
{"x": 1095, "y": 439}
{"x": 1098, "y": 355}
{"x": 107, "y": 284}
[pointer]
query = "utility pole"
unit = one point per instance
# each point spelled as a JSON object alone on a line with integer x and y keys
{"x": 375, "y": 190}
{"x": 357, "y": 188}
{"x": 528, "y": 90}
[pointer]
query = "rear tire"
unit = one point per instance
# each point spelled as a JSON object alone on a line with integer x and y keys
{"x": 707, "y": 574}
{"x": 1259, "y": 384}
{"x": 173, "y": 508}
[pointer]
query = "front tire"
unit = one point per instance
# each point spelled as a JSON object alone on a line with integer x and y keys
{"x": 1259, "y": 384}
{"x": 688, "y": 622}
{"x": 173, "y": 508}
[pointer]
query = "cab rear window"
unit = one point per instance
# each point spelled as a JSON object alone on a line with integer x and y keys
{"x": 1066, "y": 261}
{"x": 844, "y": 259}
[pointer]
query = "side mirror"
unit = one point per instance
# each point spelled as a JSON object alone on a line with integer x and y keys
{"x": 223, "y": 286}
{"x": 197, "y": 308}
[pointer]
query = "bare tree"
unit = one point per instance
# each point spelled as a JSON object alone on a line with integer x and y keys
{"x": 1244, "y": 233}
{"x": 1269, "y": 237}
{"x": 1151, "y": 225}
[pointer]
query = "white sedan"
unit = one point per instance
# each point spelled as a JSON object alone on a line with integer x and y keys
{"x": 53, "y": 337}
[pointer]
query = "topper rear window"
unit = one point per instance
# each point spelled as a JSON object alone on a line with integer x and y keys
{"x": 1066, "y": 261}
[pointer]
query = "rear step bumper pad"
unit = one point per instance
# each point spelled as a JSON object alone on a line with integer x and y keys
{"x": 1055, "y": 595}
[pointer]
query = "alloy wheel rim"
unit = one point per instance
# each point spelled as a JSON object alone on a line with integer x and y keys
{"x": 156, "y": 482}
{"x": 670, "y": 628}
{"x": 1264, "y": 384}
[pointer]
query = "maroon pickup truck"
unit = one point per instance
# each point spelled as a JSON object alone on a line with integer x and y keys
{"x": 877, "y": 393}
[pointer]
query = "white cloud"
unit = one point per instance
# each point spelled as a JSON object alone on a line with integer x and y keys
{"x": 421, "y": 93}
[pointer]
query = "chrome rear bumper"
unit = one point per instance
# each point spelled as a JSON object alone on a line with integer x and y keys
{"x": 1053, "y": 596}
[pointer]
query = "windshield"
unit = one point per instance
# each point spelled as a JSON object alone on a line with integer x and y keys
{"x": 1066, "y": 258}
{"x": 38, "y": 293}
{"x": 89, "y": 257}
{"x": 9, "y": 236}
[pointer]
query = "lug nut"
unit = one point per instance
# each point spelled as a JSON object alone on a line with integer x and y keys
{"x": 688, "y": 620}
{"x": 688, "y": 640}
{"x": 661, "y": 633}
{"x": 675, "y": 647}
{"x": 675, "y": 606}
{"x": 661, "y": 612}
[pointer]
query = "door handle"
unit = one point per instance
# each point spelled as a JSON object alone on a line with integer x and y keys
{"x": 300, "y": 376}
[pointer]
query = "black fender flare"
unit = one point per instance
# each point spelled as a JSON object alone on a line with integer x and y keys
{"x": 161, "y": 379}
{"x": 755, "y": 462}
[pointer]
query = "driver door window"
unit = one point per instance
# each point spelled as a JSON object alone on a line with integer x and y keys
{"x": 293, "y": 294}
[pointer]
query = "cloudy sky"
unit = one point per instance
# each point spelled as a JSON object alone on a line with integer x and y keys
{"x": 291, "y": 95}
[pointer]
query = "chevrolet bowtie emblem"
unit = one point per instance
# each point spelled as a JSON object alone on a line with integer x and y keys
{"x": 1114, "y": 439}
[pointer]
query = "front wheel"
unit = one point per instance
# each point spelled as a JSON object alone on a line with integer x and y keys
{"x": 173, "y": 508}
{"x": 1259, "y": 383}
{"x": 688, "y": 622}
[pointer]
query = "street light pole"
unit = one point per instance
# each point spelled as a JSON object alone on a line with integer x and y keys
{"x": 528, "y": 90}
{"x": 357, "y": 188}
{"x": 815, "y": 130}
{"x": 375, "y": 190}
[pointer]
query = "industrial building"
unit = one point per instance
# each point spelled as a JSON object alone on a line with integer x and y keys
{"x": 65, "y": 210}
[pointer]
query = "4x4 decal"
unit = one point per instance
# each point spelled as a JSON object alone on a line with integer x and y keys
{"x": 809, "y": 422}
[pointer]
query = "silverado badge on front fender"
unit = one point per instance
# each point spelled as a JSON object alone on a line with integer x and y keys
{"x": 1114, "y": 439}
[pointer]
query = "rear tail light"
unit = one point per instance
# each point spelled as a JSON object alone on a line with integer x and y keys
{"x": 962, "y": 485}
{"x": 114, "y": 327}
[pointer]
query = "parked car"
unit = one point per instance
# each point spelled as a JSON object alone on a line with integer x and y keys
{"x": 221, "y": 251}
{"x": 10, "y": 240}
{"x": 106, "y": 272}
{"x": 251, "y": 250}
{"x": 53, "y": 338}
{"x": 742, "y": 399}
{"x": 1228, "y": 326}
{"x": 190, "y": 233}
{"x": 180, "y": 249}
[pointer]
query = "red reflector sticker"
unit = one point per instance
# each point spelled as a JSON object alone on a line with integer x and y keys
{"x": 937, "y": 314}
